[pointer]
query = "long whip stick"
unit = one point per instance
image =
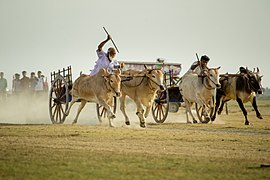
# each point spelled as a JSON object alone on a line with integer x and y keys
{"x": 111, "y": 40}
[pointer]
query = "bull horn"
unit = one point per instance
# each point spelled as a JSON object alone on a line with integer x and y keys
{"x": 106, "y": 71}
{"x": 258, "y": 70}
{"x": 118, "y": 71}
{"x": 219, "y": 67}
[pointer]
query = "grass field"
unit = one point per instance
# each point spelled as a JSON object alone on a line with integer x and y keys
{"x": 226, "y": 149}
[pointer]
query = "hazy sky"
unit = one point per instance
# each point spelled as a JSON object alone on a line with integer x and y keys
{"x": 51, "y": 34}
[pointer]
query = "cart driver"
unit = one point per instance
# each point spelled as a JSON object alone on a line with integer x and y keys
{"x": 200, "y": 67}
{"x": 105, "y": 60}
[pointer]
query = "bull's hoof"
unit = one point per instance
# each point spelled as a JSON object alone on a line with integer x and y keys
{"x": 246, "y": 123}
{"x": 213, "y": 118}
{"x": 207, "y": 119}
{"x": 188, "y": 122}
{"x": 127, "y": 123}
{"x": 112, "y": 116}
{"x": 195, "y": 121}
{"x": 219, "y": 112}
{"x": 111, "y": 125}
{"x": 142, "y": 125}
{"x": 260, "y": 117}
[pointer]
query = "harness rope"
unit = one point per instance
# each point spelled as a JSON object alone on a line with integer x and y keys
{"x": 209, "y": 86}
{"x": 251, "y": 87}
{"x": 109, "y": 85}
{"x": 151, "y": 87}
{"x": 135, "y": 85}
{"x": 143, "y": 77}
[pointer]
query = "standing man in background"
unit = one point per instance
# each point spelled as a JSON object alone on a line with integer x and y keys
{"x": 40, "y": 84}
{"x": 16, "y": 84}
{"x": 3, "y": 87}
{"x": 33, "y": 82}
{"x": 25, "y": 83}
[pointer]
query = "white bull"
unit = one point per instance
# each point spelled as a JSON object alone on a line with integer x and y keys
{"x": 199, "y": 89}
{"x": 99, "y": 88}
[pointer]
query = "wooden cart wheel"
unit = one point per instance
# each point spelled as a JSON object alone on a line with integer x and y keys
{"x": 160, "y": 107}
{"x": 102, "y": 112}
{"x": 59, "y": 100}
{"x": 174, "y": 107}
{"x": 200, "y": 111}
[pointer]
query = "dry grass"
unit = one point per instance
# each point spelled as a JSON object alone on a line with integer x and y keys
{"x": 226, "y": 149}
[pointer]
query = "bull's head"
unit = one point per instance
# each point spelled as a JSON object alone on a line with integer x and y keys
{"x": 255, "y": 81}
{"x": 213, "y": 76}
{"x": 156, "y": 78}
{"x": 114, "y": 82}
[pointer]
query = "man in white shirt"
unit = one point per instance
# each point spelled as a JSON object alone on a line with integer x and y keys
{"x": 40, "y": 83}
{"x": 105, "y": 60}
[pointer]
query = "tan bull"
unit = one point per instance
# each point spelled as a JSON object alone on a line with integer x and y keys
{"x": 199, "y": 89}
{"x": 99, "y": 88}
{"x": 142, "y": 90}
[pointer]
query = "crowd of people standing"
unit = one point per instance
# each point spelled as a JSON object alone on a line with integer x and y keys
{"x": 35, "y": 85}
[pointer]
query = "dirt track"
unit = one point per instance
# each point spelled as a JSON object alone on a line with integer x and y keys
{"x": 33, "y": 148}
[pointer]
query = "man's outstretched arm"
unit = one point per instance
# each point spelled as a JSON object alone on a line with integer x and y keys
{"x": 100, "y": 46}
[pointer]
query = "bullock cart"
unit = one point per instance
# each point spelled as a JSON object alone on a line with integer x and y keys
{"x": 168, "y": 100}
{"x": 60, "y": 97}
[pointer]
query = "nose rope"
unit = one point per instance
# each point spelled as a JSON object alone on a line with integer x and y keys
{"x": 251, "y": 85}
{"x": 110, "y": 87}
{"x": 211, "y": 87}
{"x": 153, "y": 82}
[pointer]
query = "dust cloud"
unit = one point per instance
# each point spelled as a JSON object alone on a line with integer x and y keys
{"x": 34, "y": 109}
{"x": 25, "y": 109}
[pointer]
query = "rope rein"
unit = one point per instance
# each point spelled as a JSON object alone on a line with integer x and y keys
{"x": 148, "y": 82}
{"x": 209, "y": 86}
{"x": 109, "y": 85}
{"x": 150, "y": 86}
{"x": 135, "y": 85}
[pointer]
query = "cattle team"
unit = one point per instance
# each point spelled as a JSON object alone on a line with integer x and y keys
{"x": 198, "y": 85}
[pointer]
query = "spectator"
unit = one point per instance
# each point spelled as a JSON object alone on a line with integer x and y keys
{"x": 46, "y": 86}
{"x": 3, "y": 87}
{"x": 33, "y": 82}
{"x": 16, "y": 84}
{"x": 25, "y": 83}
{"x": 40, "y": 83}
